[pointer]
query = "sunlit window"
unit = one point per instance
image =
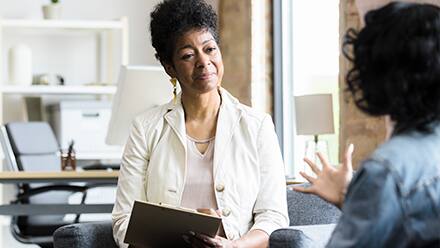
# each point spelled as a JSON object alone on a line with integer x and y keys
{"x": 310, "y": 41}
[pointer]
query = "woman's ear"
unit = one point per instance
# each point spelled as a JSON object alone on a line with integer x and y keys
{"x": 169, "y": 69}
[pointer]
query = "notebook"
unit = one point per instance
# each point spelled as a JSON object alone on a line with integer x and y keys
{"x": 160, "y": 225}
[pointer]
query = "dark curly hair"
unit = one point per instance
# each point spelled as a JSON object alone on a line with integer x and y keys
{"x": 172, "y": 18}
{"x": 396, "y": 65}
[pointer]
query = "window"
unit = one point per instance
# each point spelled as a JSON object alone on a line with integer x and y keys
{"x": 306, "y": 59}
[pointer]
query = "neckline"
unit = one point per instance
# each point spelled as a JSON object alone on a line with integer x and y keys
{"x": 200, "y": 141}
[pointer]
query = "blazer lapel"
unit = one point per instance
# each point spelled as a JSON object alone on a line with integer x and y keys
{"x": 228, "y": 119}
{"x": 176, "y": 119}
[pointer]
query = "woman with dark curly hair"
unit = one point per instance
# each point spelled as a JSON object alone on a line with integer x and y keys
{"x": 203, "y": 150}
{"x": 394, "y": 198}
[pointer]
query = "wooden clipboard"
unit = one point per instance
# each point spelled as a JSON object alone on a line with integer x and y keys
{"x": 160, "y": 225}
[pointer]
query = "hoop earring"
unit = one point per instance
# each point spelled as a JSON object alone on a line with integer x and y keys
{"x": 174, "y": 83}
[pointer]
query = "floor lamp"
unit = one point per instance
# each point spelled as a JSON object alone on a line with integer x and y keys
{"x": 314, "y": 116}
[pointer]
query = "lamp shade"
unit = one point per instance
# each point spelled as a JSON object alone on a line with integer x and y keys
{"x": 314, "y": 114}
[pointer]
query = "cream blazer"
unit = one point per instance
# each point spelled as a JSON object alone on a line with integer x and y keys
{"x": 248, "y": 170}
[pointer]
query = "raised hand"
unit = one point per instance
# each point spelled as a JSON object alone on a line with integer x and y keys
{"x": 330, "y": 183}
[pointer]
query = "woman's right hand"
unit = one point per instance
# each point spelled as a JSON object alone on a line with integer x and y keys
{"x": 330, "y": 183}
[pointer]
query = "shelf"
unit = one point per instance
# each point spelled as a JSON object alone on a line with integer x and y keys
{"x": 61, "y": 24}
{"x": 58, "y": 90}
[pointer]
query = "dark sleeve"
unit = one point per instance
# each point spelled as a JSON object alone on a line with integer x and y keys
{"x": 371, "y": 209}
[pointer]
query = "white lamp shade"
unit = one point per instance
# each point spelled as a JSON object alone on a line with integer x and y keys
{"x": 314, "y": 114}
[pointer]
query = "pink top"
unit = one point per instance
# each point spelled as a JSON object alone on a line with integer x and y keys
{"x": 199, "y": 184}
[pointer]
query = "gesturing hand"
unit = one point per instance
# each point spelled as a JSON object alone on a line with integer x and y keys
{"x": 330, "y": 183}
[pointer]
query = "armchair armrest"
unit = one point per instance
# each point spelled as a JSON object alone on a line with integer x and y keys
{"x": 289, "y": 238}
{"x": 302, "y": 236}
{"x": 93, "y": 234}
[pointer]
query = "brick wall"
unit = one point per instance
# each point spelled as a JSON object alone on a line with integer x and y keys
{"x": 235, "y": 38}
{"x": 246, "y": 43}
{"x": 366, "y": 133}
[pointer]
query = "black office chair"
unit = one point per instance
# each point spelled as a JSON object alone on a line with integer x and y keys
{"x": 32, "y": 146}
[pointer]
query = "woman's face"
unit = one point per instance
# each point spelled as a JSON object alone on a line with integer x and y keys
{"x": 198, "y": 63}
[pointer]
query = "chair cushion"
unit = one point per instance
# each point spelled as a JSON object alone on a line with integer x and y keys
{"x": 306, "y": 209}
{"x": 83, "y": 235}
{"x": 31, "y": 138}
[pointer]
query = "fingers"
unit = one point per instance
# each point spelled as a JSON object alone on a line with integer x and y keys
{"x": 202, "y": 240}
{"x": 206, "y": 211}
{"x": 312, "y": 166}
{"x": 218, "y": 212}
{"x": 198, "y": 240}
{"x": 307, "y": 177}
{"x": 193, "y": 241}
{"x": 324, "y": 162}
{"x": 210, "y": 242}
{"x": 209, "y": 211}
{"x": 347, "y": 164}
{"x": 307, "y": 190}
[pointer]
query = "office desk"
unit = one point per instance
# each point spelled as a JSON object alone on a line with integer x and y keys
{"x": 100, "y": 176}
{"x": 97, "y": 176}
{"x": 294, "y": 181}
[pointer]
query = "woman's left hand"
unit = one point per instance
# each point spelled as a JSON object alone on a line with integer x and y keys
{"x": 330, "y": 183}
{"x": 199, "y": 240}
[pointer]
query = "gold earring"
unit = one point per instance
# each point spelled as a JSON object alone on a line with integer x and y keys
{"x": 174, "y": 83}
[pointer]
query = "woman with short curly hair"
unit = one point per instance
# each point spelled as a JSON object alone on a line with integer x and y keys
{"x": 394, "y": 198}
{"x": 203, "y": 150}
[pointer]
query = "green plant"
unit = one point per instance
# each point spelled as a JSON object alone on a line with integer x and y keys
{"x": 54, "y": 1}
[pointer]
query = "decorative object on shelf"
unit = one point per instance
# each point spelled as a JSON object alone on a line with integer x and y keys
{"x": 20, "y": 64}
{"x": 48, "y": 79}
{"x": 68, "y": 160}
{"x": 314, "y": 116}
{"x": 52, "y": 10}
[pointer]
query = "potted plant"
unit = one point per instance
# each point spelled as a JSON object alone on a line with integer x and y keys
{"x": 52, "y": 10}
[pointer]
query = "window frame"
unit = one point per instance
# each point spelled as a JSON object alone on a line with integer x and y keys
{"x": 284, "y": 109}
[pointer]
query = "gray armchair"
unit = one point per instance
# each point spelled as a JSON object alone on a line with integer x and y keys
{"x": 309, "y": 211}
{"x": 303, "y": 210}
{"x": 85, "y": 235}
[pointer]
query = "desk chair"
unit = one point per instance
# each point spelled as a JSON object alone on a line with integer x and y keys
{"x": 32, "y": 146}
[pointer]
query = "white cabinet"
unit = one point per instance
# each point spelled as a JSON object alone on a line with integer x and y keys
{"x": 58, "y": 47}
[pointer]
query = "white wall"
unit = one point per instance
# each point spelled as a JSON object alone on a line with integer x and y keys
{"x": 137, "y": 11}
{"x": 74, "y": 56}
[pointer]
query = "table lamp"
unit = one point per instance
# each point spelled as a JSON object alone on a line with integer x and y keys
{"x": 314, "y": 116}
